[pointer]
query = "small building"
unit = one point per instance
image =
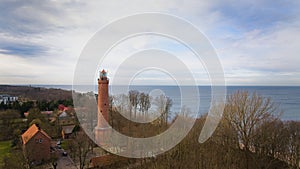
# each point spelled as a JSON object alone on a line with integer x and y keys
{"x": 36, "y": 144}
{"x": 65, "y": 119}
{"x": 6, "y": 99}
{"x": 63, "y": 115}
{"x": 67, "y": 131}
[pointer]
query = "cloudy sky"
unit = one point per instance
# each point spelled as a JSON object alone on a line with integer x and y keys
{"x": 257, "y": 41}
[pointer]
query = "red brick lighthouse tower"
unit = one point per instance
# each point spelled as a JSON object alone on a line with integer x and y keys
{"x": 101, "y": 130}
{"x": 103, "y": 98}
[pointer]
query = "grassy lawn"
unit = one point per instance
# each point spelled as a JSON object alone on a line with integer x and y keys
{"x": 64, "y": 144}
{"x": 16, "y": 121}
{"x": 4, "y": 149}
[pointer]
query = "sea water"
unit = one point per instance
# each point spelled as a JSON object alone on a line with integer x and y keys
{"x": 287, "y": 98}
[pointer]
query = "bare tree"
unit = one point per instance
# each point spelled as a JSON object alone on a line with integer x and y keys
{"x": 246, "y": 112}
{"x": 16, "y": 160}
{"x": 163, "y": 104}
{"x": 144, "y": 103}
{"x": 270, "y": 143}
{"x": 121, "y": 102}
{"x": 80, "y": 146}
{"x": 294, "y": 143}
{"x": 7, "y": 125}
{"x": 86, "y": 108}
{"x": 134, "y": 100}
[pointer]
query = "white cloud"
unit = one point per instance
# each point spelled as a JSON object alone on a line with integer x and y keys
{"x": 271, "y": 54}
{"x": 249, "y": 56}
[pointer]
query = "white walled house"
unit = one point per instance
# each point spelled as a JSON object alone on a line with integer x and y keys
{"x": 5, "y": 99}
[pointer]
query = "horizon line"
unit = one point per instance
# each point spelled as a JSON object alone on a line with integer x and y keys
{"x": 205, "y": 85}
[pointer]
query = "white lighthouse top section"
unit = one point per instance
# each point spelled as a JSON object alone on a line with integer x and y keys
{"x": 103, "y": 73}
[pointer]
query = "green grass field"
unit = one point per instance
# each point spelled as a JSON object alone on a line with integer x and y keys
{"x": 4, "y": 149}
{"x": 64, "y": 144}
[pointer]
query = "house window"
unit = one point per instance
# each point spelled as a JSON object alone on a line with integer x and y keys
{"x": 40, "y": 140}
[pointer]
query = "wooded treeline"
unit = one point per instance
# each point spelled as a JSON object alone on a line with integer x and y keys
{"x": 250, "y": 135}
{"x": 36, "y": 93}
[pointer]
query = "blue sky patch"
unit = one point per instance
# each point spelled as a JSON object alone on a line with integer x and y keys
{"x": 22, "y": 50}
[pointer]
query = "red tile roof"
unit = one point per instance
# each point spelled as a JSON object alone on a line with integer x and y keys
{"x": 33, "y": 129}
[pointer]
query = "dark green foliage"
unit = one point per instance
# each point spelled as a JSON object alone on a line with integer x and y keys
{"x": 10, "y": 124}
{"x": 36, "y": 93}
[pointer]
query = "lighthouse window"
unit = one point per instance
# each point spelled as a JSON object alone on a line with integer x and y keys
{"x": 104, "y": 104}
